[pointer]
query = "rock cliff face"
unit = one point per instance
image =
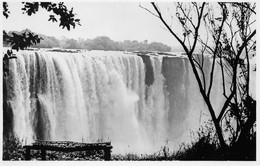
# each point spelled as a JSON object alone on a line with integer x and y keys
{"x": 176, "y": 73}
{"x": 149, "y": 73}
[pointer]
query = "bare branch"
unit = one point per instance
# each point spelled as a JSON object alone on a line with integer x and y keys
{"x": 198, "y": 26}
{"x": 196, "y": 7}
{"x": 205, "y": 45}
{"x": 223, "y": 76}
{"x": 226, "y": 104}
{"x": 187, "y": 16}
{"x": 167, "y": 26}
{"x": 217, "y": 47}
{"x": 148, "y": 10}
{"x": 233, "y": 90}
{"x": 245, "y": 43}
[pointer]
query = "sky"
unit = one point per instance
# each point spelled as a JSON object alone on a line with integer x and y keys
{"x": 118, "y": 20}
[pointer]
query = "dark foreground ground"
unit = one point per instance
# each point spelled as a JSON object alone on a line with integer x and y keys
{"x": 201, "y": 149}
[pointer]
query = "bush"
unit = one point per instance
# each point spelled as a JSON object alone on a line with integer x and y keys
{"x": 12, "y": 148}
{"x": 204, "y": 145}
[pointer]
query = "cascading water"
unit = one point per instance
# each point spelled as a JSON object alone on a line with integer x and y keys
{"x": 135, "y": 102}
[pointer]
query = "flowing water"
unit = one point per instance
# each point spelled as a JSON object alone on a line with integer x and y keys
{"x": 137, "y": 103}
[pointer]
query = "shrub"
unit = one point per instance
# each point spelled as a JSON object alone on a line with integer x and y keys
{"x": 12, "y": 148}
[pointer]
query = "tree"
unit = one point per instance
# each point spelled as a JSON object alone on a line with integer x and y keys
{"x": 20, "y": 41}
{"x": 103, "y": 43}
{"x": 48, "y": 42}
{"x": 229, "y": 39}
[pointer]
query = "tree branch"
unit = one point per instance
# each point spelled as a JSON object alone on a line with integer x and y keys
{"x": 167, "y": 26}
{"x": 216, "y": 49}
{"x": 240, "y": 4}
{"x": 186, "y": 15}
{"x": 198, "y": 26}
{"x": 234, "y": 77}
{"x": 148, "y": 10}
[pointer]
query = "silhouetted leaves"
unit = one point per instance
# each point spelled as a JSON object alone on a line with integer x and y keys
{"x": 22, "y": 40}
{"x": 30, "y": 8}
{"x": 8, "y": 55}
{"x": 26, "y": 39}
{"x": 67, "y": 17}
{"x": 18, "y": 41}
{"x": 52, "y": 18}
{"x": 6, "y": 11}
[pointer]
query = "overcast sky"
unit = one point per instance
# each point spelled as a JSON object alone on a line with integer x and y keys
{"x": 119, "y": 21}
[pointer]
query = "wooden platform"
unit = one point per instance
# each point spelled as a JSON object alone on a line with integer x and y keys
{"x": 67, "y": 146}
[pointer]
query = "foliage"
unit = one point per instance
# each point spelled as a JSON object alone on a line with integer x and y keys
{"x": 105, "y": 43}
{"x": 98, "y": 43}
{"x": 67, "y": 17}
{"x": 204, "y": 146}
{"x": 6, "y": 11}
{"x": 20, "y": 41}
{"x": 12, "y": 148}
{"x": 26, "y": 39}
{"x": 229, "y": 38}
{"x": 48, "y": 42}
{"x": 199, "y": 150}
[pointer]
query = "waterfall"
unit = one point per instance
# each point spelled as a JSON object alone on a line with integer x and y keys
{"x": 135, "y": 102}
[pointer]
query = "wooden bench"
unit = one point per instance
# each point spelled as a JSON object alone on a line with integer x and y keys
{"x": 67, "y": 146}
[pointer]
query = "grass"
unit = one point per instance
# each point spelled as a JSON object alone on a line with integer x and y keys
{"x": 203, "y": 147}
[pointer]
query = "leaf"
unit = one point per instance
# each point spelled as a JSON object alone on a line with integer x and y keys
{"x": 73, "y": 24}
{"x": 5, "y": 14}
{"x": 9, "y": 52}
{"x": 52, "y": 18}
{"x": 68, "y": 26}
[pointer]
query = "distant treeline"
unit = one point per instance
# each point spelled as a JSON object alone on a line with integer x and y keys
{"x": 98, "y": 43}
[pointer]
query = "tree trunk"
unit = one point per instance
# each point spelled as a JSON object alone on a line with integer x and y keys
{"x": 215, "y": 121}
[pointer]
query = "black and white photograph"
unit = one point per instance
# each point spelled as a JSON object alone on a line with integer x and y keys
{"x": 109, "y": 81}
